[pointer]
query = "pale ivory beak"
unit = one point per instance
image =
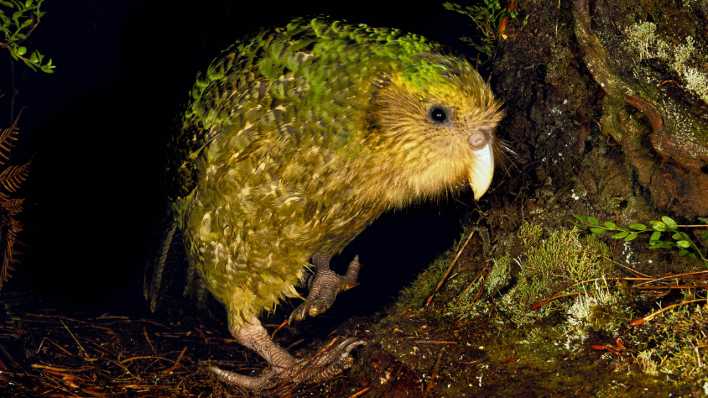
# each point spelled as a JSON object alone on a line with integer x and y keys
{"x": 482, "y": 170}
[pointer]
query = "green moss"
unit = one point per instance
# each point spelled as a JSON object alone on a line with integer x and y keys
{"x": 674, "y": 344}
{"x": 499, "y": 276}
{"x": 551, "y": 265}
{"x": 467, "y": 305}
{"x": 548, "y": 266}
{"x": 682, "y": 53}
{"x": 529, "y": 234}
{"x": 414, "y": 296}
{"x": 642, "y": 38}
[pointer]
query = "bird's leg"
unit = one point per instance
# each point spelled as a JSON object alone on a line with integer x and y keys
{"x": 284, "y": 368}
{"x": 325, "y": 286}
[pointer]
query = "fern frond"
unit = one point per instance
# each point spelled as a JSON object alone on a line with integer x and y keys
{"x": 8, "y": 139}
{"x": 13, "y": 176}
{"x": 14, "y": 227}
{"x": 12, "y": 206}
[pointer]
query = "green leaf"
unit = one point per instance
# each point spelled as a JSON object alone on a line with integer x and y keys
{"x": 25, "y": 23}
{"x": 683, "y": 252}
{"x": 582, "y": 219}
{"x": 670, "y": 223}
{"x": 660, "y": 244}
{"x": 610, "y": 225}
{"x": 658, "y": 226}
{"x": 683, "y": 244}
{"x": 28, "y": 3}
{"x": 655, "y": 236}
{"x": 638, "y": 227}
{"x": 593, "y": 220}
{"x": 598, "y": 231}
{"x": 16, "y": 17}
{"x": 631, "y": 236}
{"x": 704, "y": 220}
{"x": 680, "y": 236}
{"x": 21, "y": 50}
{"x": 620, "y": 235}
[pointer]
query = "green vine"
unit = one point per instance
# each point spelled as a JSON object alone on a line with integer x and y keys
{"x": 18, "y": 19}
{"x": 665, "y": 233}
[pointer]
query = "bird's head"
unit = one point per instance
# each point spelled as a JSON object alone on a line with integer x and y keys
{"x": 433, "y": 122}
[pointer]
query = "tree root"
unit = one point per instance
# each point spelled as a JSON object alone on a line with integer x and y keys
{"x": 672, "y": 170}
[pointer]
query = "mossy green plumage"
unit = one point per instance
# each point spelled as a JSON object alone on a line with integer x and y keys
{"x": 296, "y": 140}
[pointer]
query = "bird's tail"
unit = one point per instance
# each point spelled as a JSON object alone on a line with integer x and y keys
{"x": 155, "y": 265}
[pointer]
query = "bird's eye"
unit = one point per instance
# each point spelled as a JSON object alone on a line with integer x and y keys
{"x": 438, "y": 114}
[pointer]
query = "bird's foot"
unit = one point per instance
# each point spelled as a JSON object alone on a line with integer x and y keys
{"x": 327, "y": 363}
{"x": 324, "y": 288}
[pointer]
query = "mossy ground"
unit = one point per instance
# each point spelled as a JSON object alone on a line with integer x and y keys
{"x": 546, "y": 313}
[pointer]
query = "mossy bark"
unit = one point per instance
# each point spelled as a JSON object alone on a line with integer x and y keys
{"x": 569, "y": 80}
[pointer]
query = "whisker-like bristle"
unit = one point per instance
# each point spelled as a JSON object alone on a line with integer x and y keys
{"x": 505, "y": 156}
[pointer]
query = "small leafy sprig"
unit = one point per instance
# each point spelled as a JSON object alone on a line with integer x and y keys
{"x": 490, "y": 17}
{"x": 18, "y": 19}
{"x": 665, "y": 233}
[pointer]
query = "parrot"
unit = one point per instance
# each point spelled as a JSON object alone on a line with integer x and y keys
{"x": 295, "y": 140}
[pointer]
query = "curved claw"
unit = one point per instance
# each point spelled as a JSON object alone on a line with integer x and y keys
{"x": 259, "y": 383}
{"x": 324, "y": 288}
{"x": 329, "y": 362}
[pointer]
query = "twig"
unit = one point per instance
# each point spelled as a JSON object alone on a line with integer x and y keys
{"x": 81, "y": 347}
{"x": 540, "y": 303}
{"x": 142, "y": 357}
{"x": 673, "y": 276}
{"x": 434, "y": 374}
{"x": 442, "y": 280}
{"x": 59, "y": 370}
{"x": 147, "y": 339}
{"x": 641, "y": 286}
{"x": 641, "y": 321}
{"x": 360, "y": 392}
{"x": 670, "y": 287}
{"x": 177, "y": 361}
{"x": 435, "y": 342}
{"x": 60, "y": 347}
{"x": 632, "y": 270}
{"x": 278, "y": 328}
{"x": 698, "y": 357}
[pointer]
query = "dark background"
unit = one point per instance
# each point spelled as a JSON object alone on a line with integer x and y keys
{"x": 97, "y": 128}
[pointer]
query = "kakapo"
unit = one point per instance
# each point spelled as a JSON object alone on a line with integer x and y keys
{"x": 299, "y": 138}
